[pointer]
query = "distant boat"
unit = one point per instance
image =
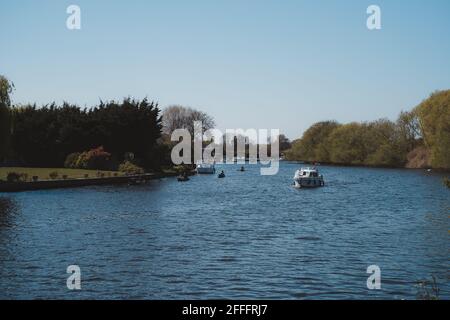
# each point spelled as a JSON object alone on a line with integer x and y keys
{"x": 183, "y": 178}
{"x": 206, "y": 168}
{"x": 308, "y": 178}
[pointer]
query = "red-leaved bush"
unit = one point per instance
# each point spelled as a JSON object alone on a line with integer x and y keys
{"x": 94, "y": 159}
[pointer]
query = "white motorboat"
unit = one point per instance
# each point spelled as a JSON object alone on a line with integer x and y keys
{"x": 308, "y": 178}
{"x": 206, "y": 168}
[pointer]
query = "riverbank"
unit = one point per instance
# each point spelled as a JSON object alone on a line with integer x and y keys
{"x": 55, "y": 173}
{"x": 19, "y": 186}
{"x": 355, "y": 165}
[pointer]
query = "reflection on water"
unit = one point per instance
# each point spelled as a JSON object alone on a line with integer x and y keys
{"x": 245, "y": 236}
{"x": 8, "y": 209}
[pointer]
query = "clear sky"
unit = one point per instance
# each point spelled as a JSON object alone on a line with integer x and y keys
{"x": 249, "y": 63}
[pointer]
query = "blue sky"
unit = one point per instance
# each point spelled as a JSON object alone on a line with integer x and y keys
{"x": 250, "y": 64}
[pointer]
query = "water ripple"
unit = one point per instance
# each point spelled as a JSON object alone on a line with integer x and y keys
{"x": 243, "y": 237}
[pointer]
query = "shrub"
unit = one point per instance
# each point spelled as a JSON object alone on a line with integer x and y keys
{"x": 53, "y": 175}
{"x": 130, "y": 168}
{"x": 94, "y": 159}
{"x": 13, "y": 177}
{"x": 82, "y": 161}
{"x": 16, "y": 177}
{"x": 99, "y": 159}
{"x": 71, "y": 160}
{"x": 183, "y": 168}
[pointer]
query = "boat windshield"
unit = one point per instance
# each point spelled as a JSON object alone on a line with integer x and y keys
{"x": 308, "y": 173}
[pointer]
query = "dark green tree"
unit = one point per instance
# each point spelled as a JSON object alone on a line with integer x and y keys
{"x": 6, "y": 88}
{"x": 45, "y": 136}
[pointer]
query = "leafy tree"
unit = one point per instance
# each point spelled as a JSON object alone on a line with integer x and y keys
{"x": 348, "y": 144}
{"x": 383, "y": 142}
{"x": 314, "y": 143}
{"x": 409, "y": 130}
{"x": 130, "y": 126}
{"x": 179, "y": 117}
{"x": 434, "y": 121}
{"x": 46, "y": 136}
{"x": 35, "y": 136}
{"x": 284, "y": 142}
{"x": 6, "y": 88}
{"x": 373, "y": 143}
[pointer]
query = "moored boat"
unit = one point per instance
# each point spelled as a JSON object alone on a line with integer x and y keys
{"x": 183, "y": 178}
{"x": 206, "y": 168}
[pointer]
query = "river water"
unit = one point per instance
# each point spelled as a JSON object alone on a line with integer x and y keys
{"x": 245, "y": 236}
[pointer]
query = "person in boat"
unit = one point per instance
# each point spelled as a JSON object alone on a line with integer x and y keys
{"x": 222, "y": 174}
{"x": 183, "y": 176}
{"x": 242, "y": 169}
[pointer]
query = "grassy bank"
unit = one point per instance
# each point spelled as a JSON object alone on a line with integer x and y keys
{"x": 45, "y": 173}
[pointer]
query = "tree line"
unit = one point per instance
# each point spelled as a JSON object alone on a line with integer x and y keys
{"x": 178, "y": 117}
{"x": 109, "y": 136}
{"x": 418, "y": 138}
{"x": 45, "y": 136}
{"x": 137, "y": 132}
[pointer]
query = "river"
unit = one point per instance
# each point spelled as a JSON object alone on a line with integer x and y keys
{"x": 244, "y": 236}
